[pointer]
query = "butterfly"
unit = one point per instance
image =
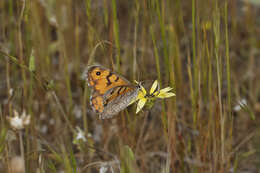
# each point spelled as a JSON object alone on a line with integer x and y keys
{"x": 111, "y": 93}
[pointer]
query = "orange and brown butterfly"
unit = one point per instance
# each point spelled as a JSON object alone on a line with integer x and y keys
{"x": 111, "y": 93}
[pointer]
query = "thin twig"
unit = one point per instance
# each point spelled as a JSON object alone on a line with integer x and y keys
{"x": 141, "y": 132}
{"x": 247, "y": 138}
{"x": 62, "y": 110}
{"x": 21, "y": 148}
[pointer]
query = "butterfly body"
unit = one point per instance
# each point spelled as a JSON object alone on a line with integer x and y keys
{"x": 111, "y": 92}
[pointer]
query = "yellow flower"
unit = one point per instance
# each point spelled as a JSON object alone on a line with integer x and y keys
{"x": 154, "y": 93}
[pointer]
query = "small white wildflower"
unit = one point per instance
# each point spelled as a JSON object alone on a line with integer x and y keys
{"x": 237, "y": 108}
{"x": 11, "y": 91}
{"x": 241, "y": 103}
{"x": 26, "y": 118}
{"x": 53, "y": 20}
{"x": 103, "y": 169}
{"x": 80, "y": 135}
{"x": 19, "y": 122}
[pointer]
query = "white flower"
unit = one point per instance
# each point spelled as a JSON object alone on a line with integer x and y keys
{"x": 80, "y": 135}
{"x": 103, "y": 169}
{"x": 19, "y": 122}
{"x": 241, "y": 103}
{"x": 11, "y": 91}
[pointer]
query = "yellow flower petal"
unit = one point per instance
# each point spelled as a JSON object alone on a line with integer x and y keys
{"x": 154, "y": 92}
{"x": 165, "y": 90}
{"x": 154, "y": 86}
{"x": 141, "y": 94}
{"x": 165, "y": 95}
{"x": 140, "y": 104}
{"x": 143, "y": 91}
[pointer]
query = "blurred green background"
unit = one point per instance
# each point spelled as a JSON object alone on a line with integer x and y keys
{"x": 208, "y": 51}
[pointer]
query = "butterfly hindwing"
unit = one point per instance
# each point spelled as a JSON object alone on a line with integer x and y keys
{"x": 96, "y": 102}
{"x": 117, "y": 101}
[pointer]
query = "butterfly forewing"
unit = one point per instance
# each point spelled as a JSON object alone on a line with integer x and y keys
{"x": 111, "y": 92}
{"x": 102, "y": 79}
{"x": 116, "y": 91}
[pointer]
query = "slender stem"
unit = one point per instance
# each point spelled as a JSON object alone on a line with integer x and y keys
{"x": 21, "y": 148}
{"x": 195, "y": 69}
{"x": 84, "y": 111}
{"x": 141, "y": 133}
{"x": 116, "y": 34}
{"x": 20, "y": 44}
{"x": 227, "y": 59}
{"x": 62, "y": 110}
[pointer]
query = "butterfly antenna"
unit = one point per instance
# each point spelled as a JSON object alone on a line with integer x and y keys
{"x": 92, "y": 53}
{"x": 138, "y": 77}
